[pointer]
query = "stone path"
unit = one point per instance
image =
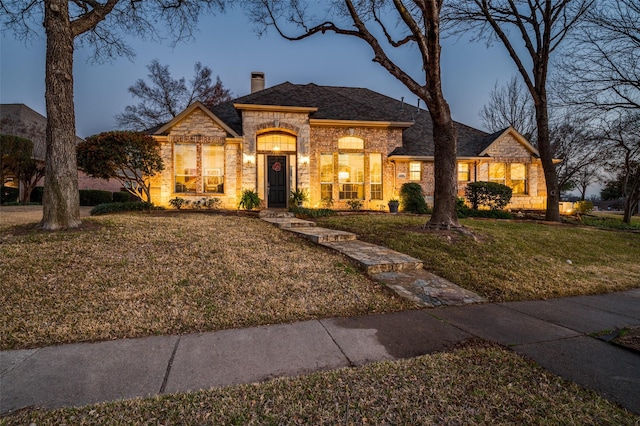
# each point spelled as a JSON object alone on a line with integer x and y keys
{"x": 400, "y": 272}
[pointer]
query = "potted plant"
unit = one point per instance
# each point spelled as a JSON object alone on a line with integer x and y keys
{"x": 393, "y": 205}
{"x": 297, "y": 197}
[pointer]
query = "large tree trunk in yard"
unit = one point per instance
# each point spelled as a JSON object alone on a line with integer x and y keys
{"x": 445, "y": 192}
{"x": 546, "y": 156}
{"x": 61, "y": 204}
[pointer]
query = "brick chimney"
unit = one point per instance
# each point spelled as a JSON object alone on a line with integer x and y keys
{"x": 257, "y": 81}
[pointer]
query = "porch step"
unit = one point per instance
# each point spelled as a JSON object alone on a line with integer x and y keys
{"x": 275, "y": 214}
{"x": 289, "y": 222}
{"x": 374, "y": 259}
{"x": 324, "y": 235}
{"x": 427, "y": 289}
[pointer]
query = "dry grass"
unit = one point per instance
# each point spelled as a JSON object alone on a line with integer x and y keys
{"x": 481, "y": 384}
{"x": 138, "y": 275}
{"x": 512, "y": 260}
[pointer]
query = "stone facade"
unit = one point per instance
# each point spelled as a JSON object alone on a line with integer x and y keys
{"x": 245, "y": 164}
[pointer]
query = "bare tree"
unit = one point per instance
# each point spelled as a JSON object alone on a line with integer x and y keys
{"x": 582, "y": 154}
{"x": 542, "y": 26}
{"x": 102, "y": 24}
{"x": 385, "y": 25}
{"x": 623, "y": 138}
{"x": 510, "y": 105}
{"x": 165, "y": 97}
{"x": 603, "y": 72}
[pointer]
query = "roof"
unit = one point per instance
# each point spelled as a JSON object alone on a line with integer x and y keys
{"x": 358, "y": 104}
{"x": 20, "y": 120}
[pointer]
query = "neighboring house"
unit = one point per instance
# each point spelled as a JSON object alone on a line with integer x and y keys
{"x": 20, "y": 120}
{"x": 338, "y": 143}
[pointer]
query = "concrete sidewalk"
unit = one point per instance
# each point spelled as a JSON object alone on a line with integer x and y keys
{"x": 553, "y": 332}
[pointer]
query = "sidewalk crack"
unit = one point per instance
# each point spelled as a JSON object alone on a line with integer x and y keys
{"x": 169, "y": 365}
{"x": 351, "y": 363}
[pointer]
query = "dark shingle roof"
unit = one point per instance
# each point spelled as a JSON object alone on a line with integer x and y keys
{"x": 348, "y": 103}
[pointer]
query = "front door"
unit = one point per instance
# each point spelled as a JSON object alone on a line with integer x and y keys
{"x": 277, "y": 181}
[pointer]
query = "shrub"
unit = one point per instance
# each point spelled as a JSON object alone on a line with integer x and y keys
{"x": 249, "y": 200}
{"x": 124, "y": 197}
{"x": 412, "y": 198}
{"x": 297, "y": 197}
{"x": 93, "y": 197}
{"x": 583, "y": 207}
{"x": 489, "y": 194}
{"x": 178, "y": 203}
{"x": 212, "y": 203}
{"x": 37, "y": 194}
{"x": 463, "y": 211}
{"x": 129, "y": 206}
{"x": 304, "y": 211}
{"x": 9, "y": 195}
{"x": 355, "y": 204}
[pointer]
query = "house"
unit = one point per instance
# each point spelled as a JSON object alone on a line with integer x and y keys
{"x": 20, "y": 120}
{"x": 338, "y": 143}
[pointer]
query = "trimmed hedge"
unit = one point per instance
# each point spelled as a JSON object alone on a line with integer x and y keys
{"x": 463, "y": 211}
{"x": 489, "y": 194}
{"x": 130, "y": 206}
{"x": 412, "y": 198}
{"x": 9, "y": 195}
{"x": 124, "y": 197}
{"x": 304, "y": 211}
{"x": 93, "y": 197}
{"x": 36, "y": 194}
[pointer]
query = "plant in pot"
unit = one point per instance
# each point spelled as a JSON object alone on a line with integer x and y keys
{"x": 297, "y": 197}
{"x": 393, "y": 205}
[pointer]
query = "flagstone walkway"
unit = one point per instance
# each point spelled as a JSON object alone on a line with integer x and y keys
{"x": 400, "y": 272}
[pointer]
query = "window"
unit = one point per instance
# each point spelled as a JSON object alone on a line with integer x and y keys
{"x": 497, "y": 173}
{"x": 350, "y": 142}
{"x": 351, "y": 176}
{"x": 375, "y": 176}
{"x": 518, "y": 178}
{"x": 326, "y": 176}
{"x": 198, "y": 168}
{"x": 276, "y": 142}
{"x": 213, "y": 168}
{"x": 415, "y": 170}
{"x": 464, "y": 172}
{"x": 185, "y": 167}
{"x": 514, "y": 175}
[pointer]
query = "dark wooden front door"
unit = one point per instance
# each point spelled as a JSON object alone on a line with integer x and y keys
{"x": 277, "y": 181}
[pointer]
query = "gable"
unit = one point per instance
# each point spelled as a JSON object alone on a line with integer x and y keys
{"x": 509, "y": 144}
{"x": 196, "y": 120}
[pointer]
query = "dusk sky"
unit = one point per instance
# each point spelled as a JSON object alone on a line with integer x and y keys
{"x": 227, "y": 44}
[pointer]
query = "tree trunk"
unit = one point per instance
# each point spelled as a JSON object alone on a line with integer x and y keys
{"x": 546, "y": 156}
{"x": 61, "y": 204}
{"x": 445, "y": 173}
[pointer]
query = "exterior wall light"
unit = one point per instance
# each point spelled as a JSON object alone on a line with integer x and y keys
{"x": 249, "y": 159}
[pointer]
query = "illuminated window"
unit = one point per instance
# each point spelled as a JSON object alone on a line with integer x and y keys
{"x": 518, "y": 177}
{"x": 213, "y": 168}
{"x": 350, "y": 142}
{"x": 497, "y": 173}
{"x": 351, "y": 176}
{"x": 415, "y": 170}
{"x": 464, "y": 172}
{"x": 276, "y": 142}
{"x": 326, "y": 177}
{"x": 375, "y": 176}
{"x": 185, "y": 167}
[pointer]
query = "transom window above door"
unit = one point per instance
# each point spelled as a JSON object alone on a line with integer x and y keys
{"x": 277, "y": 142}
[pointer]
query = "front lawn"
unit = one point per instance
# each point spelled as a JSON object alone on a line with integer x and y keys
{"x": 512, "y": 260}
{"x": 481, "y": 384}
{"x": 138, "y": 274}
